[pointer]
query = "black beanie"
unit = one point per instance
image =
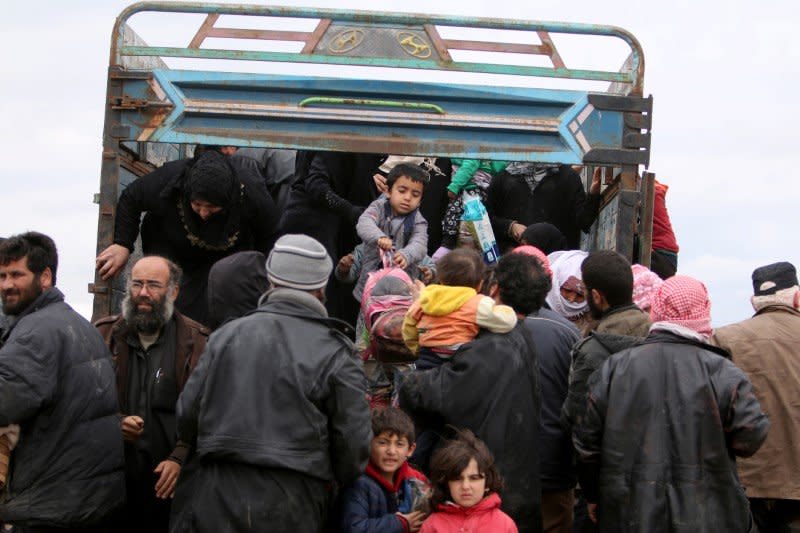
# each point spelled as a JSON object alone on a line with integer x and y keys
{"x": 211, "y": 179}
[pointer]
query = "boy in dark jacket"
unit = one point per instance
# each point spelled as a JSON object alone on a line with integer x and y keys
{"x": 383, "y": 498}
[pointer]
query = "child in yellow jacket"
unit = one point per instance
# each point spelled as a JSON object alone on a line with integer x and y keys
{"x": 451, "y": 313}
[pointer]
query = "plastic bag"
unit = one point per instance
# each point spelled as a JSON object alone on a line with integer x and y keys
{"x": 420, "y": 495}
{"x": 477, "y": 222}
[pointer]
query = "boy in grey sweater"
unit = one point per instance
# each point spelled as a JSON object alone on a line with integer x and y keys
{"x": 394, "y": 225}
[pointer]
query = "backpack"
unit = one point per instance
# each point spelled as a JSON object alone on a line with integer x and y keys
{"x": 386, "y": 337}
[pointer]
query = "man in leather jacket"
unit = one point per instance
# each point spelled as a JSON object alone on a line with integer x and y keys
{"x": 276, "y": 408}
{"x": 664, "y": 422}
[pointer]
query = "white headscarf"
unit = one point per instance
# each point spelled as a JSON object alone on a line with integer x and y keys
{"x": 565, "y": 264}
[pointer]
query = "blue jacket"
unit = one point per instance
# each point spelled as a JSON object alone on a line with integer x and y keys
{"x": 554, "y": 337}
{"x": 369, "y": 506}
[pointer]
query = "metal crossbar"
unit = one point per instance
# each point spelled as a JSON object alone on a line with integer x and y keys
{"x": 341, "y": 38}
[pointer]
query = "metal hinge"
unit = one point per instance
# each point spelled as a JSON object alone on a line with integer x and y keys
{"x": 126, "y": 102}
{"x": 97, "y": 289}
{"x": 118, "y": 131}
{"x": 638, "y": 120}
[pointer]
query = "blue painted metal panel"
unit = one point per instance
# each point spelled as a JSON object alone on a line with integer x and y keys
{"x": 368, "y": 116}
{"x": 378, "y": 115}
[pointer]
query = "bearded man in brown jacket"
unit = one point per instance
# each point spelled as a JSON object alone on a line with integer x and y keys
{"x": 154, "y": 349}
{"x": 767, "y": 348}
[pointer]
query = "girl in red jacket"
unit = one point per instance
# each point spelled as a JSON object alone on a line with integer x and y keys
{"x": 465, "y": 489}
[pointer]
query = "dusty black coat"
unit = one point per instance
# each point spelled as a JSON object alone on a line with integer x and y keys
{"x": 434, "y": 202}
{"x": 235, "y": 284}
{"x": 324, "y": 203}
{"x": 277, "y": 400}
{"x": 560, "y": 199}
{"x": 587, "y": 356}
{"x": 276, "y": 167}
{"x": 57, "y": 383}
{"x": 328, "y": 195}
{"x": 663, "y": 424}
{"x": 491, "y": 386}
{"x": 163, "y": 232}
{"x": 554, "y": 336}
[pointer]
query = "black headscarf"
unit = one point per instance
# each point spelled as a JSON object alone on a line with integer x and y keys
{"x": 545, "y": 237}
{"x": 235, "y": 284}
{"x": 211, "y": 178}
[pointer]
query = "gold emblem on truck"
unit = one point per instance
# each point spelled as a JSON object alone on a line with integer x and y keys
{"x": 414, "y": 45}
{"x": 346, "y": 41}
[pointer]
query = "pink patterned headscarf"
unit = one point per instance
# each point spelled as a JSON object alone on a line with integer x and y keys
{"x": 645, "y": 284}
{"x": 683, "y": 301}
{"x": 537, "y": 253}
{"x": 377, "y": 301}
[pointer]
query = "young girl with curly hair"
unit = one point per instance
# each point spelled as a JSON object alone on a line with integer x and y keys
{"x": 465, "y": 489}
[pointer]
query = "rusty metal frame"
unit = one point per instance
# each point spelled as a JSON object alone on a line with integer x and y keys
{"x": 634, "y": 77}
{"x": 630, "y": 79}
{"x": 547, "y": 47}
{"x": 209, "y": 29}
{"x": 647, "y": 191}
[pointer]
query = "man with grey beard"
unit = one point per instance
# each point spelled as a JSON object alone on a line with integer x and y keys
{"x": 155, "y": 349}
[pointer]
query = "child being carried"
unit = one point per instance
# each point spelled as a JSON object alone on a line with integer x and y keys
{"x": 451, "y": 313}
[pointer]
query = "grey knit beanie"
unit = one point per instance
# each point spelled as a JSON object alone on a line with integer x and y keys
{"x": 299, "y": 262}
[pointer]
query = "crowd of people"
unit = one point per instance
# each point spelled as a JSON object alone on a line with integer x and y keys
{"x": 349, "y": 362}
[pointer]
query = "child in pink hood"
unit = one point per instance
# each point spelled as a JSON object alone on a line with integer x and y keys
{"x": 465, "y": 490}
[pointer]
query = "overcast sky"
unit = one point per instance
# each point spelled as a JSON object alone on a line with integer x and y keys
{"x": 724, "y": 76}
